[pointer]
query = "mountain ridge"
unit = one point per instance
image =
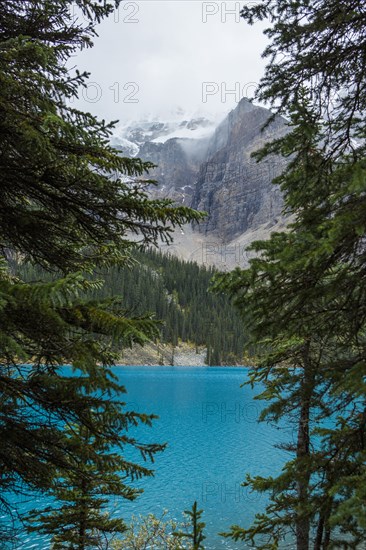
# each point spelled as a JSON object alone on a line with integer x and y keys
{"x": 215, "y": 173}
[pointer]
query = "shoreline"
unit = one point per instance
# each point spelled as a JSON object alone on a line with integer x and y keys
{"x": 159, "y": 355}
{"x": 184, "y": 354}
{"x": 186, "y": 366}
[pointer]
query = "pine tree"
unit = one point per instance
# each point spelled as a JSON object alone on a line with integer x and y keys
{"x": 71, "y": 204}
{"x": 196, "y": 537}
{"x": 288, "y": 298}
{"x": 81, "y": 521}
{"x": 318, "y": 46}
{"x": 303, "y": 297}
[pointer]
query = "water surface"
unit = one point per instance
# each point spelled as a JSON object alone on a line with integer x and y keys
{"x": 210, "y": 425}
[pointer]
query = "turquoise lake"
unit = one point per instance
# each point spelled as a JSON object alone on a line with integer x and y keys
{"x": 210, "y": 425}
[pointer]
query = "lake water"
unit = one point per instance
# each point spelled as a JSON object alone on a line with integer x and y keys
{"x": 210, "y": 425}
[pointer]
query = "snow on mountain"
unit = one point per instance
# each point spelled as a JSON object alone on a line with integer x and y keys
{"x": 185, "y": 132}
{"x": 130, "y": 136}
{"x": 207, "y": 165}
{"x": 126, "y": 146}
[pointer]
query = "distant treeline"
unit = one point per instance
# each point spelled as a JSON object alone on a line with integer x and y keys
{"x": 176, "y": 292}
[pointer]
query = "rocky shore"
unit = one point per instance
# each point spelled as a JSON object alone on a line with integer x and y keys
{"x": 182, "y": 355}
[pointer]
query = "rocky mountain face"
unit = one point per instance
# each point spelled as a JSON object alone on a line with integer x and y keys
{"x": 178, "y": 163}
{"x": 177, "y": 148}
{"x": 232, "y": 187}
{"x": 211, "y": 169}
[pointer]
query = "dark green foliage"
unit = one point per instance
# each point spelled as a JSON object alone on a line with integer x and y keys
{"x": 69, "y": 203}
{"x": 303, "y": 298}
{"x": 63, "y": 201}
{"x": 45, "y": 325}
{"x": 318, "y": 46}
{"x": 304, "y": 307}
{"x": 196, "y": 536}
{"x": 176, "y": 292}
{"x": 78, "y": 520}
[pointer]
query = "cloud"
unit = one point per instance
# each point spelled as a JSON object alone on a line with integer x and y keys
{"x": 152, "y": 56}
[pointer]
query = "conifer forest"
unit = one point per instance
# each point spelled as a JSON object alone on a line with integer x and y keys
{"x": 263, "y": 444}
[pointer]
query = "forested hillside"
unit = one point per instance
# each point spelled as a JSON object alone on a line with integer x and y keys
{"x": 177, "y": 292}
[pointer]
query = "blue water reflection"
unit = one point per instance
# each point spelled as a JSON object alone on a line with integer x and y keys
{"x": 210, "y": 425}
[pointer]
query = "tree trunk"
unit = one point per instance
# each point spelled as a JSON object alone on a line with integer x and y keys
{"x": 319, "y": 533}
{"x": 322, "y": 539}
{"x": 302, "y": 521}
{"x": 83, "y": 518}
{"x": 326, "y": 542}
{"x": 302, "y": 452}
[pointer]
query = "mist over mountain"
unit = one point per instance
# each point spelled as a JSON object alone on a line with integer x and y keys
{"x": 207, "y": 164}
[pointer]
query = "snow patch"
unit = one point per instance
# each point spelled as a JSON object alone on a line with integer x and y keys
{"x": 126, "y": 146}
{"x": 186, "y": 133}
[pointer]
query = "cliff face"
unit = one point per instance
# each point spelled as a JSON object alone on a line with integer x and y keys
{"x": 178, "y": 163}
{"x": 213, "y": 171}
{"x": 236, "y": 191}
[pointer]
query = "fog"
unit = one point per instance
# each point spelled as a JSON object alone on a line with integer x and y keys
{"x": 167, "y": 59}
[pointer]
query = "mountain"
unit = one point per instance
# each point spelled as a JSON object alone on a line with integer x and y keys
{"x": 209, "y": 167}
{"x": 236, "y": 191}
{"x": 177, "y": 147}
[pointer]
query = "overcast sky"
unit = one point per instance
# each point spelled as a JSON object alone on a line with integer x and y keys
{"x": 152, "y": 57}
